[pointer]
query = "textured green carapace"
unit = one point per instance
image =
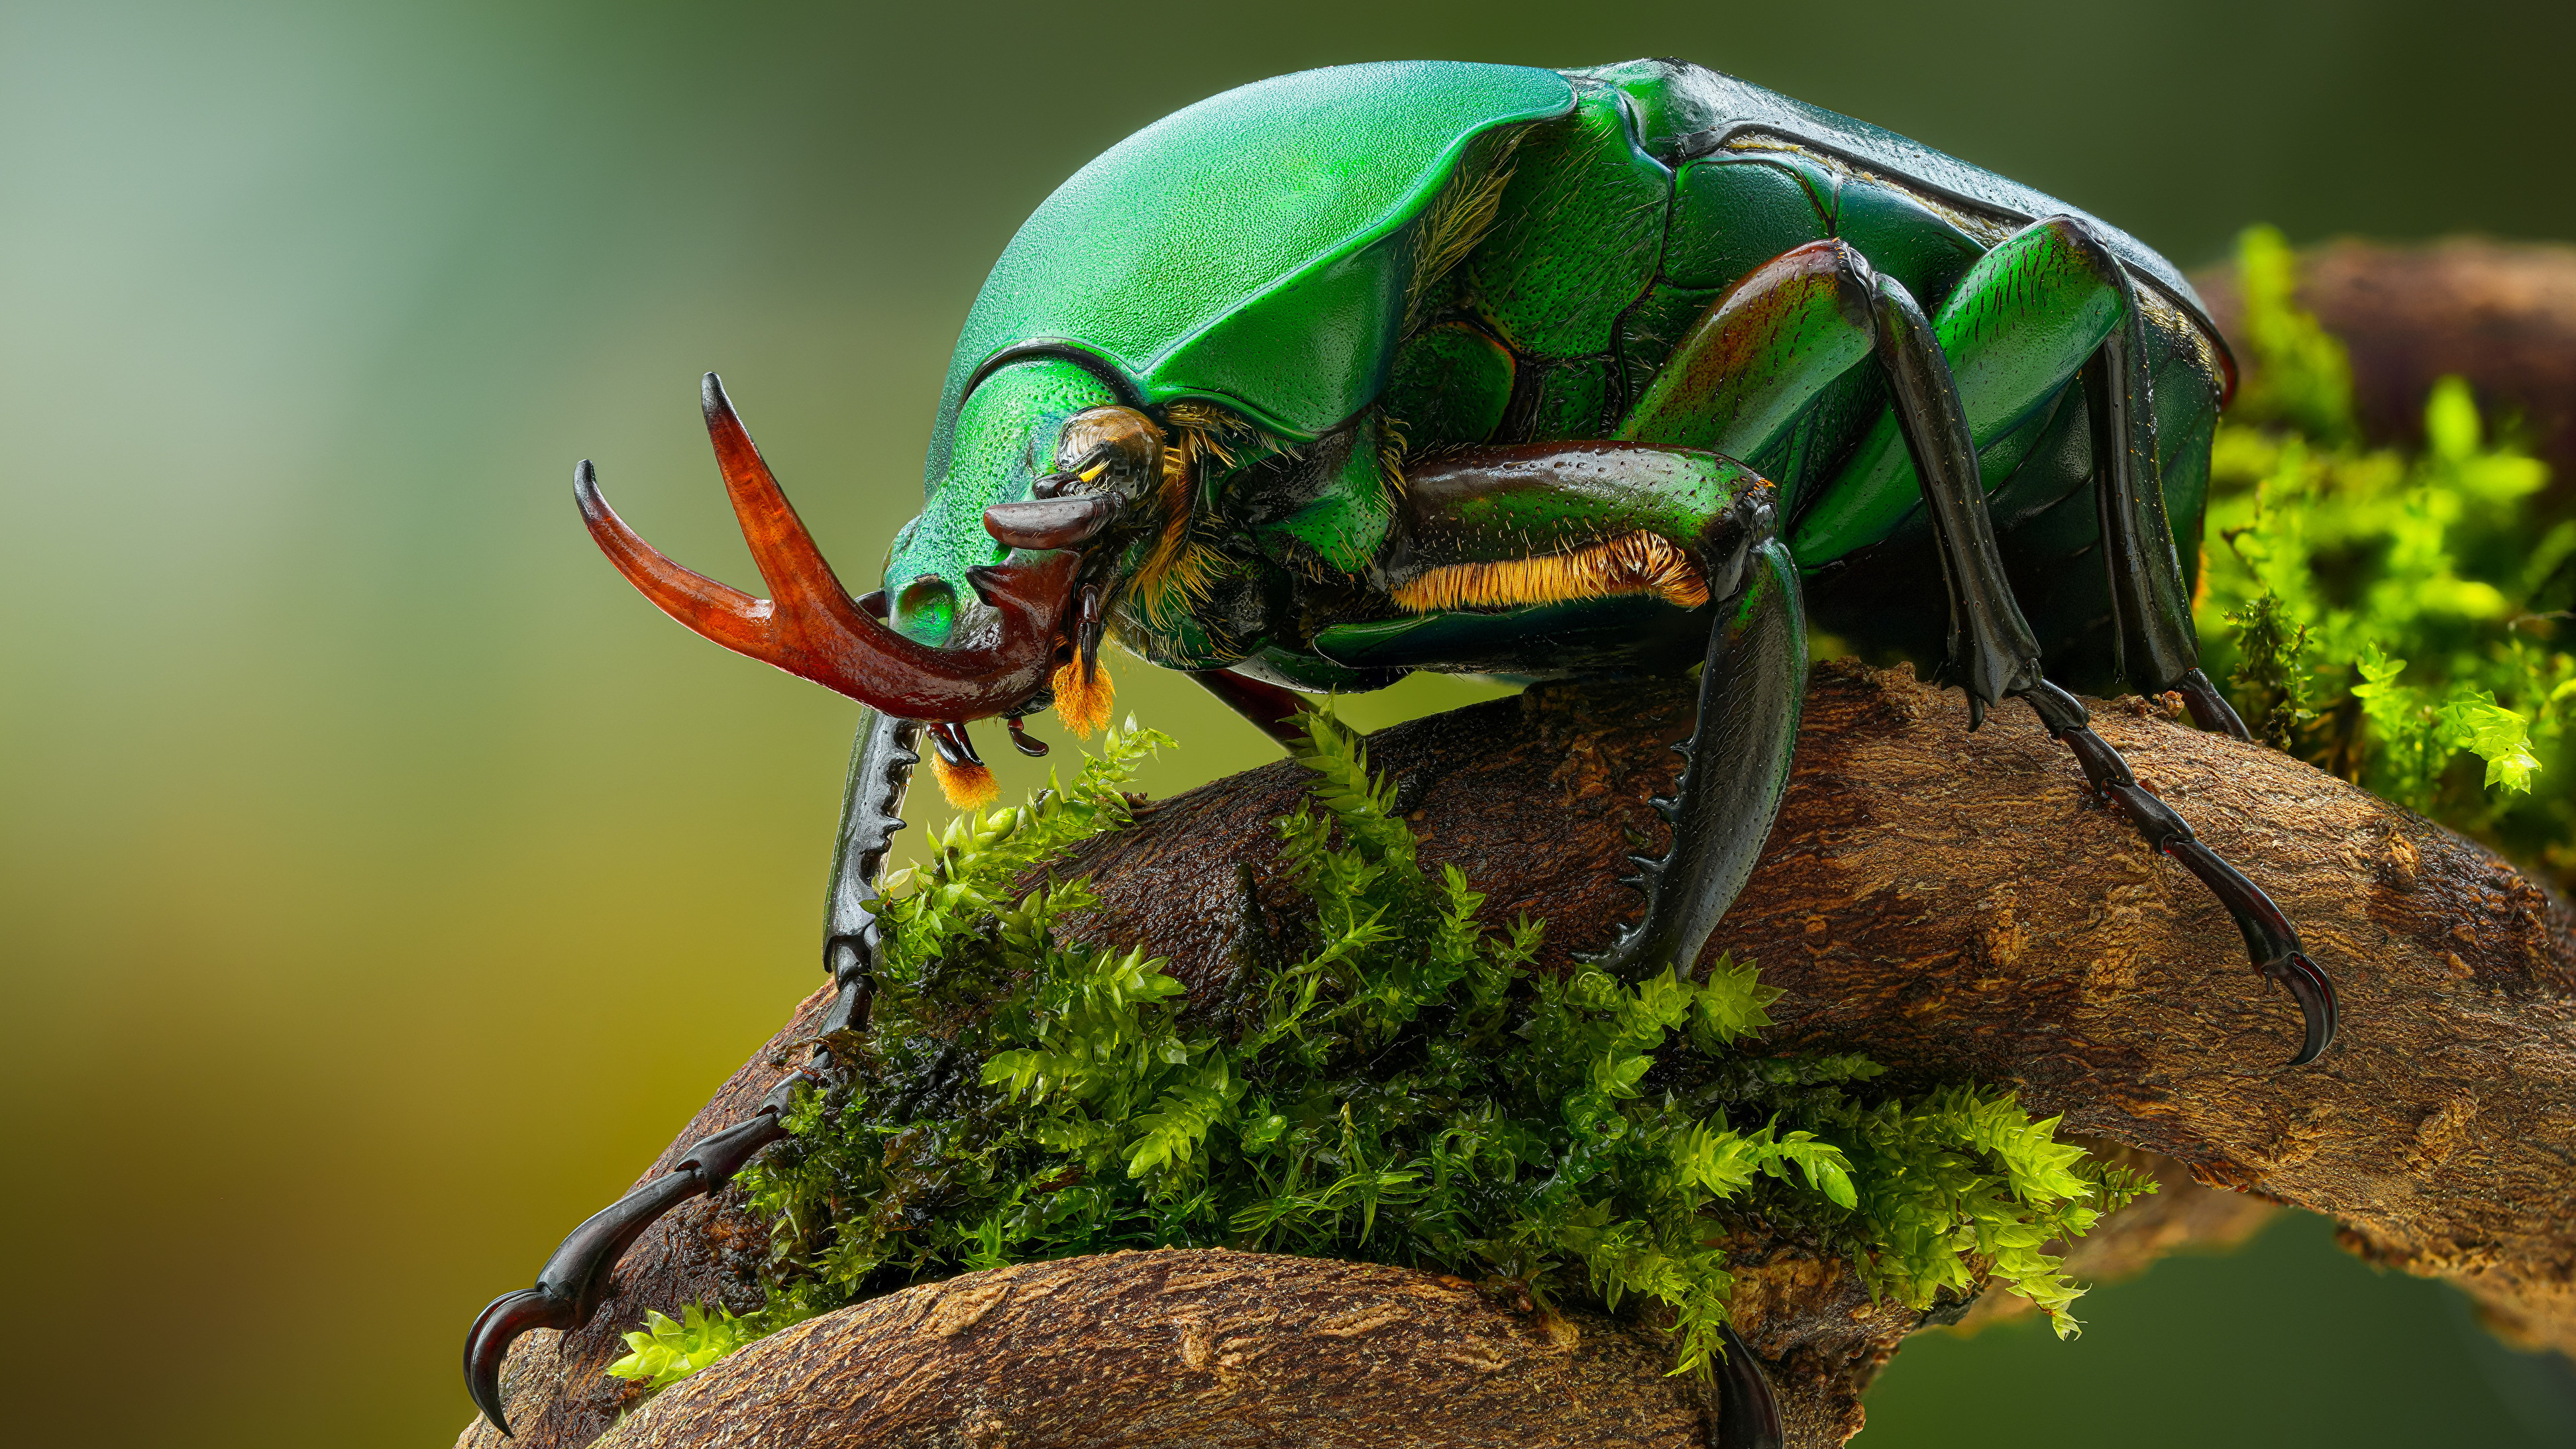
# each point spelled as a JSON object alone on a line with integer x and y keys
{"x": 1254, "y": 249}
{"x": 1302, "y": 192}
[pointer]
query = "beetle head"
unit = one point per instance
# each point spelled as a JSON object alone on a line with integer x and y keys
{"x": 1004, "y": 440}
{"x": 982, "y": 633}
{"x": 1106, "y": 488}
{"x": 1044, "y": 456}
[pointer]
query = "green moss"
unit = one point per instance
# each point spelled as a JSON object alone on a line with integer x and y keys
{"x": 2395, "y": 617}
{"x": 1391, "y": 1080}
{"x": 2302, "y": 379}
{"x": 668, "y": 1350}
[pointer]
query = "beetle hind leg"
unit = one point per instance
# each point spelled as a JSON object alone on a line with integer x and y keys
{"x": 2152, "y": 633}
{"x": 2270, "y": 939}
{"x": 1995, "y": 656}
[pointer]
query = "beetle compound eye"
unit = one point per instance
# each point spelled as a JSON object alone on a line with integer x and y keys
{"x": 1112, "y": 438}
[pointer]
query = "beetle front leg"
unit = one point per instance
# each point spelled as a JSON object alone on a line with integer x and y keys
{"x": 576, "y": 1278}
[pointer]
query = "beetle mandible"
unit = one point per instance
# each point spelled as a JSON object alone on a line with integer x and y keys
{"x": 1496, "y": 370}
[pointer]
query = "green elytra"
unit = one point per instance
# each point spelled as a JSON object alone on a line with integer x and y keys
{"x": 1264, "y": 253}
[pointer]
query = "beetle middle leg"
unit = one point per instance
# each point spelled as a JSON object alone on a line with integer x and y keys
{"x": 1500, "y": 553}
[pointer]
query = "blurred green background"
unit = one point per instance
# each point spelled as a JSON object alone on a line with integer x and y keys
{"x": 382, "y": 882}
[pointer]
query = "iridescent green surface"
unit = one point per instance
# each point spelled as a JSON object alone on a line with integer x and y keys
{"x": 1311, "y": 181}
{"x": 382, "y": 882}
{"x": 1583, "y": 178}
{"x": 1005, "y": 439}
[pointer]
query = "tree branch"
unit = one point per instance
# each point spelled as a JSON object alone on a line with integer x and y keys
{"x": 1185, "y": 1347}
{"x": 1950, "y": 903}
{"x": 2501, "y": 314}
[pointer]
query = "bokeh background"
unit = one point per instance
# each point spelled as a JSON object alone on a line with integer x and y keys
{"x": 382, "y": 881}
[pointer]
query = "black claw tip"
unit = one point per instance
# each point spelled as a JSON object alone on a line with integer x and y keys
{"x": 502, "y": 1320}
{"x": 2270, "y": 940}
{"x": 1020, "y": 740}
{"x": 2316, "y": 998}
{"x": 2210, "y": 709}
{"x": 1748, "y": 1416}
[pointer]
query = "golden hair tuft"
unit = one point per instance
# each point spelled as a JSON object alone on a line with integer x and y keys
{"x": 968, "y": 786}
{"x": 1082, "y": 704}
{"x": 1634, "y": 563}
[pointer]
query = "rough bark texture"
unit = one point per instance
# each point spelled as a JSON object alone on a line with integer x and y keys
{"x": 1948, "y": 902}
{"x": 2501, "y": 314}
{"x": 1185, "y": 1347}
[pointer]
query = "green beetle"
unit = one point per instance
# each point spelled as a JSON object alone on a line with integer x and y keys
{"x": 1523, "y": 373}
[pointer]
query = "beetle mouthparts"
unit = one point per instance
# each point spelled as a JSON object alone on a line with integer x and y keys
{"x": 812, "y": 628}
{"x": 963, "y": 777}
{"x": 1060, "y": 522}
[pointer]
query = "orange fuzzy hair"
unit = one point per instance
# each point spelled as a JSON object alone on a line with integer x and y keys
{"x": 1177, "y": 569}
{"x": 1635, "y": 563}
{"x": 1082, "y": 704}
{"x": 968, "y": 787}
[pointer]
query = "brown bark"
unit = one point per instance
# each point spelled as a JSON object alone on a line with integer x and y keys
{"x": 2501, "y": 314}
{"x": 1949, "y": 903}
{"x": 1186, "y": 1347}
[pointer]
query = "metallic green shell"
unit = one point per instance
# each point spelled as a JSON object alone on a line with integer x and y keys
{"x": 1004, "y": 439}
{"x": 1261, "y": 250}
{"x": 1253, "y": 249}
{"x": 1582, "y": 181}
{"x": 1688, "y": 111}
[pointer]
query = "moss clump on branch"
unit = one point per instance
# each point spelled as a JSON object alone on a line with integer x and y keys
{"x": 667, "y": 1350}
{"x": 2395, "y": 618}
{"x": 1391, "y": 1081}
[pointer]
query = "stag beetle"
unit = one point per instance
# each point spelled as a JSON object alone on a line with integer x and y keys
{"x": 1495, "y": 370}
